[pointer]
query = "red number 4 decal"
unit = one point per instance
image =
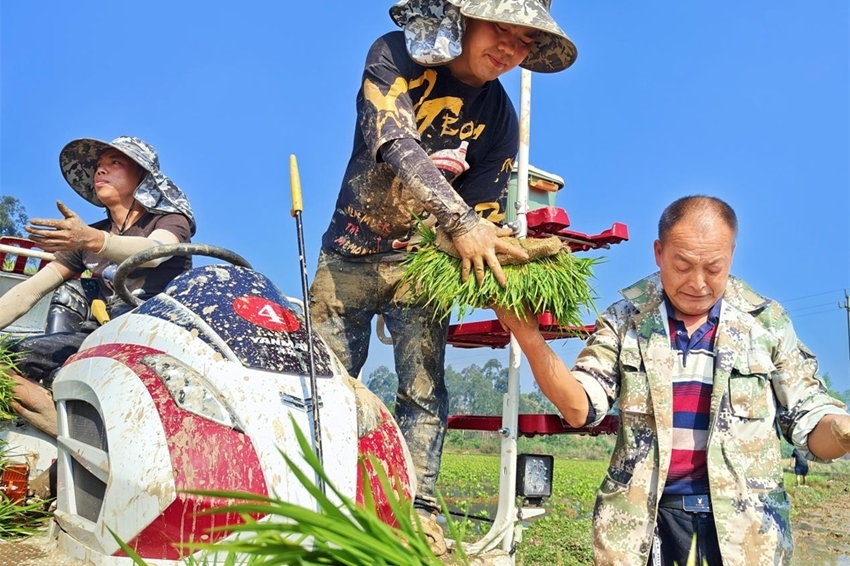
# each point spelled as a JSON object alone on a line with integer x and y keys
{"x": 265, "y": 313}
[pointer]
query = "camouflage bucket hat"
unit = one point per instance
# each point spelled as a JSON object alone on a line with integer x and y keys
{"x": 156, "y": 192}
{"x": 433, "y": 29}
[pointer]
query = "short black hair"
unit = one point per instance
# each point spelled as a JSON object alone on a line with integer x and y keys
{"x": 703, "y": 204}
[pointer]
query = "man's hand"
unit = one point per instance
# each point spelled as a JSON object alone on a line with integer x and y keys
{"x": 514, "y": 323}
{"x": 524, "y": 327}
{"x": 480, "y": 245}
{"x": 66, "y": 234}
{"x": 840, "y": 428}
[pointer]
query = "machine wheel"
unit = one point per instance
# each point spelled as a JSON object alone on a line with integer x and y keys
{"x": 134, "y": 261}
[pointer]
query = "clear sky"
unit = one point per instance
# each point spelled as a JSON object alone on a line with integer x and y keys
{"x": 748, "y": 101}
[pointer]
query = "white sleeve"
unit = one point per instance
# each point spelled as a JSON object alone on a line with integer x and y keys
{"x": 23, "y": 296}
{"x": 119, "y": 248}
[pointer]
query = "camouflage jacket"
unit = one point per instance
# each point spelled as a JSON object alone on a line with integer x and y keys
{"x": 765, "y": 380}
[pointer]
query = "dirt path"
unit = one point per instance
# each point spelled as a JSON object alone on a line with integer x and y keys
{"x": 822, "y": 532}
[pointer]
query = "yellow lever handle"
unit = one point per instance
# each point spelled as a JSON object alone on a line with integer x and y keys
{"x": 295, "y": 184}
{"x": 98, "y": 311}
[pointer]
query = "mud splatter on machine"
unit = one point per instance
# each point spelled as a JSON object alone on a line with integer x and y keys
{"x": 200, "y": 388}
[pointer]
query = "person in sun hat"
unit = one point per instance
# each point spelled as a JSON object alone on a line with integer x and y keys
{"x": 144, "y": 208}
{"x": 155, "y": 192}
{"x": 435, "y": 138}
{"x": 433, "y": 30}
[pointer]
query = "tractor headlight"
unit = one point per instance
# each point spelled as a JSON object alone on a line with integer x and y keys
{"x": 190, "y": 390}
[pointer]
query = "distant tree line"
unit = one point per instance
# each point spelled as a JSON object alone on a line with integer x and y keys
{"x": 478, "y": 390}
{"x": 473, "y": 390}
{"x": 13, "y": 217}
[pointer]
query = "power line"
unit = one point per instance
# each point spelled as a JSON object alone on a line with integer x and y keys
{"x": 808, "y": 314}
{"x": 804, "y": 297}
{"x": 801, "y": 309}
{"x": 804, "y": 311}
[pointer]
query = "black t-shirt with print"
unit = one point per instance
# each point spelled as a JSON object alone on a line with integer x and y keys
{"x": 398, "y": 98}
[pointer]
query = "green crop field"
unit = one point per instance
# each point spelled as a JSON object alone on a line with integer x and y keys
{"x": 469, "y": 484}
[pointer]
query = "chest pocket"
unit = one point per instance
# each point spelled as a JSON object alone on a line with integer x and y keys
{"x": 750, "y": 392}
{"x": 634, "y": 387}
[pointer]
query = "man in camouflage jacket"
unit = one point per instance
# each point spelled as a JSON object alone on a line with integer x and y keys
{"x": 761, "y": 379}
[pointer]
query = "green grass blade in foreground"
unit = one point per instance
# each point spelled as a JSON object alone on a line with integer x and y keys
{"x": 8, "y": 361}
{"x": 17, "y": 520}
{"x": 334, "y": 533}
{"x": 132, "y": 554}
{"x": 20, "y": 520}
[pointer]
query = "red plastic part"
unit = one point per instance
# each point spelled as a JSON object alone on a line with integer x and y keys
{"x": 533, "y": 424}
{"x": 14, "y": 482}
{"x": 542, "y": 222}
{"x": 554, "y": 221}
{"x": 383, "y": 446}
{"x": 490, "y": 332}
{"x": 20, "y": 259}
{"x": 230, "y": 467}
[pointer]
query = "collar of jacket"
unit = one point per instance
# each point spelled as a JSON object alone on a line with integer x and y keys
{"x": 646, "y": 295}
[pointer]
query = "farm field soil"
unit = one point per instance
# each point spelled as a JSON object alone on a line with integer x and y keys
{"x": 822, "y": 530}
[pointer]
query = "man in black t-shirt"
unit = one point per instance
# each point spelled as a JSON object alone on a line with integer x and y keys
{"x": 435, "y": 139}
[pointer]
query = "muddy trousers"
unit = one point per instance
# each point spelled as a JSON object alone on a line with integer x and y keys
{"x": 675, "y": 532}
{"x": 345, "y": 297}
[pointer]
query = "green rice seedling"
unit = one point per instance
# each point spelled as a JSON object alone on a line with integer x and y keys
{"x": 188, "y": 561}
{"x": 558, "y": 284}
{"x": 8, "y": 361}
{"x": 21, "y": 520}
{"x": 17, "y": 519}
{"x": 337, "y": 531}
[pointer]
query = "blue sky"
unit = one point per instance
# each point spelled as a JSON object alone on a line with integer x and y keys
{"x": 746, "y": 101}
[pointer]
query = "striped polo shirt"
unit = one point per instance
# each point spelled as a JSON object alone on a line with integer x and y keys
{"x": 693, "y": 375}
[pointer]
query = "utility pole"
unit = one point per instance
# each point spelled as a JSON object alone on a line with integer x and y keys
{"x": 846, "y": 307}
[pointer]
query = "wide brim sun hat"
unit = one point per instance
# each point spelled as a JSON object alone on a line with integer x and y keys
{"x": 433, "y": 29}
{"x": 156, "y": 192}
